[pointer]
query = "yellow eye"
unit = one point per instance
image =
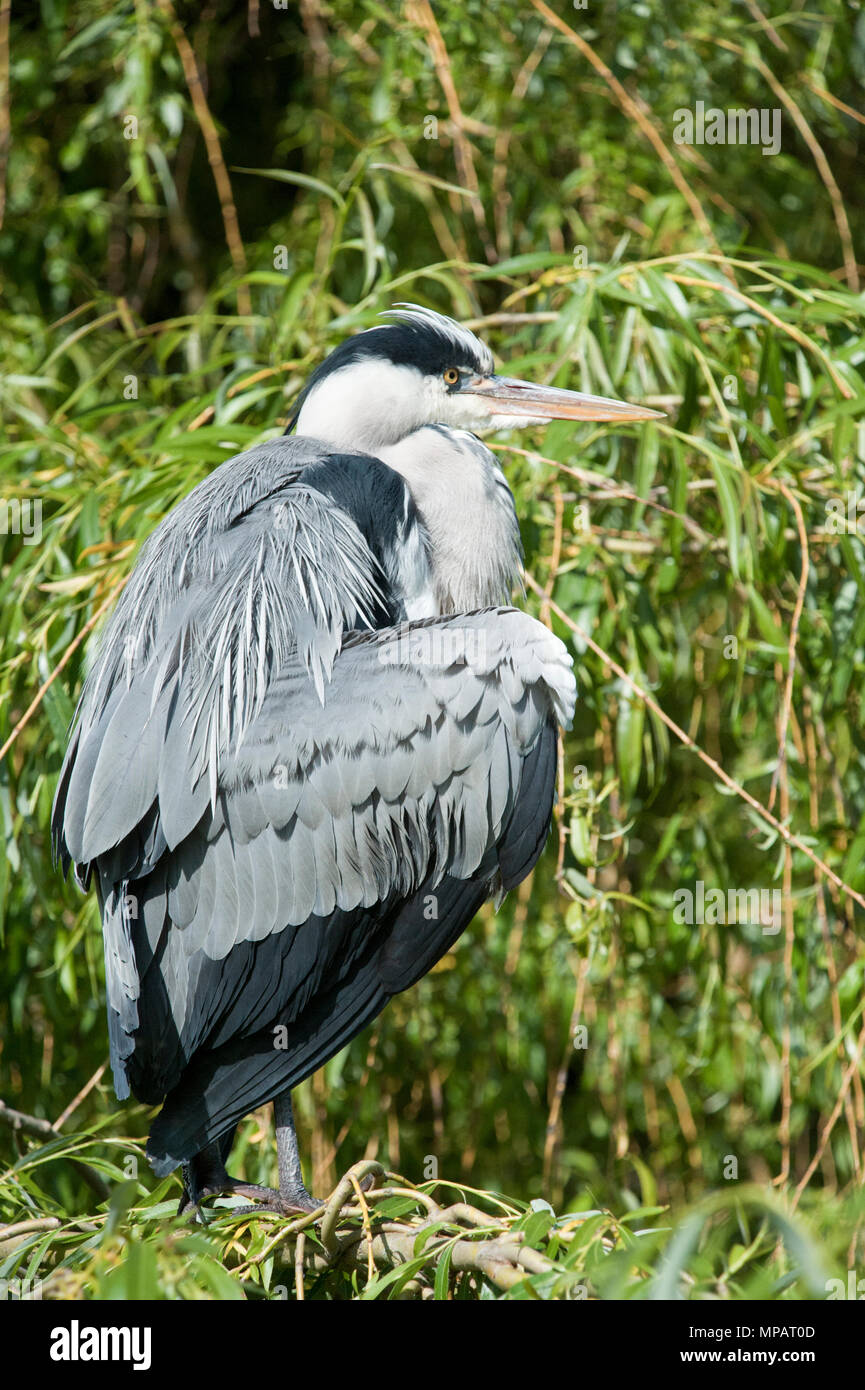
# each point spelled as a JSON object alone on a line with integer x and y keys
{"x": 451, "y": 376}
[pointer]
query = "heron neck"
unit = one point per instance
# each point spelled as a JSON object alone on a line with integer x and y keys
{"x": 468, "y": 513}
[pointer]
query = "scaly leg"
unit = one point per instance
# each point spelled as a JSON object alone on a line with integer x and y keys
{"x": 205, "y": 1175}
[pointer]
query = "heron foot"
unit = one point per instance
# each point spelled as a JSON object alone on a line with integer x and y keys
{"x": 205, "y": 1176}
{"x": 288, "y": 1202}
{"x": 291, "y": 1201}
{"x": 296, "y": 1202}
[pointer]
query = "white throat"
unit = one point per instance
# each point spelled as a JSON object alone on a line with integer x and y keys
{"x": 468, "y": 513}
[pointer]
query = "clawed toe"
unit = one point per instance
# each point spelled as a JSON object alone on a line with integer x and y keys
{"x": 297, "y": 1202}
{"x": 292, "y": 1203}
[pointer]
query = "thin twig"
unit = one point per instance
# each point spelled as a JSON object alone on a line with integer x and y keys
{"x": 421, "y": 12}
{"x": 786, "y": 835}
{"x": 794, "y": 636}
{"x": 833, "y": 100}
{"x": 767, "y": 26}
{"x": 5, "y": 120}
{"x": 366, "y": 1168}
{"x": 43, "y": 1129}
{"x": 839, "y": 211}
{"x": 789, "y": 938}
{"x": 76, "y": 1101}
{"x": 214, "y": 152}
{"x": 501, "y": 197}
{"x": 633, "y": 112}
{"x": 830, "y": 1123}
{"x": 367, "y": 1225}
{"x": 73, "y": 645}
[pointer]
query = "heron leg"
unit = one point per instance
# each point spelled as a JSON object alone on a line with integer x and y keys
{"x": 205, "y": 1175}
{"x": 291, "y": 1188}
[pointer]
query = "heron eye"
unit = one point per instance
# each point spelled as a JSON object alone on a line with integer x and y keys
{"x": 451, "y": 376}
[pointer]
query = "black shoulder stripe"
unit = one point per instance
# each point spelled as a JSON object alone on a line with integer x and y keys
{"x": 379, "y": 502}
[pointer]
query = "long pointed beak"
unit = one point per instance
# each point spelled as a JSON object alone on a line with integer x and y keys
{"x": 508, "y": 396}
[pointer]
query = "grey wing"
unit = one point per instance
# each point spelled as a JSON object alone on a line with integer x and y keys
{"x": 410, "y": 764}
{"x": 350, "y": 846}
{"x": 299, "y": 896}
{"x": 255, "y": 571}
{"x": 266, "y": 797}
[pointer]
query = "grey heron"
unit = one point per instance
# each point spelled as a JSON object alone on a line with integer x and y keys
{"x": 315, "y": 738}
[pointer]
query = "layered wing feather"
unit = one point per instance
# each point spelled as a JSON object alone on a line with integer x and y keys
{"x": 409, "y": 772}
{"x": 349, "y": 849}
{"x": 270, "y": 796}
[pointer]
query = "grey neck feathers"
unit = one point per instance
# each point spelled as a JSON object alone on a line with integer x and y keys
{"x": 468, "y": 512}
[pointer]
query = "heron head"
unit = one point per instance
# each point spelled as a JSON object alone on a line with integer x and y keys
{"x": 422, "y": 368}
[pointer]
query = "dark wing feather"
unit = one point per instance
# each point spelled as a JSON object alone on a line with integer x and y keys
{"x": 260, "y": 928}
{"x": 255, "y": 572}
{"x": 267, "y": 796}
{"x": 382, "y": 954}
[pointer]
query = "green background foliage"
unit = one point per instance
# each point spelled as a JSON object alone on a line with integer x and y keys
{"x": 177, "y": 255}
